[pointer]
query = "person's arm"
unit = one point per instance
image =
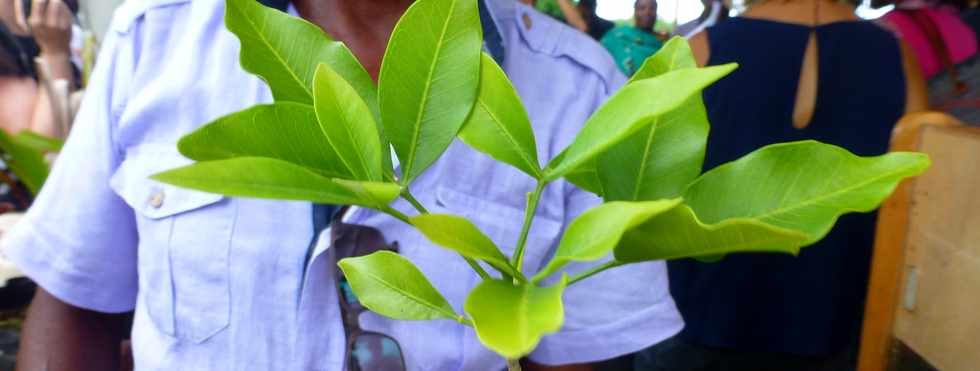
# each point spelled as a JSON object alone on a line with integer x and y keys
{"x": 917, "y": 94}
{"x": 572, "y": 15}
{"x": 700, "y": 48}
{"x": 50, "y": 24}
{"x": 58, "y": 336}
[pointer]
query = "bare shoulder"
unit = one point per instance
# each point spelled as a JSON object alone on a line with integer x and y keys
{"x": 701, "y": 47}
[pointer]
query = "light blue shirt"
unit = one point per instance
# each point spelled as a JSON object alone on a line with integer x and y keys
{"x": 219, "y": 283}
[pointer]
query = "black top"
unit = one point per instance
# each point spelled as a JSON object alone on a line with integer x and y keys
{"x": 810, "y": 304}
{"x": 599, "y": 26}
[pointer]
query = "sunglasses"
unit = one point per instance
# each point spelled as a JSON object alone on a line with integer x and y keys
{"x": 366, "y": 350}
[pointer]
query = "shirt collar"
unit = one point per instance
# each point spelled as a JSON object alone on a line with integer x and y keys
{"x": 493, "y": 42}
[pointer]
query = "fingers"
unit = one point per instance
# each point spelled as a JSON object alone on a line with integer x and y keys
{"x": 38, "y": 12}
{"x": 19, "y": 17}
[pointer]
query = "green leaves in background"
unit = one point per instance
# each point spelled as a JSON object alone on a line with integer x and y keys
{"x": 285, "y": 131}
{"x": 678, "y": 233}
{"x": 629, "y": 110}
{"x": 499, "y": 125}
{"x": 429, "y": 80}
{"x": 347, "y": 124}
{"x": 388, "y": 284}
{"x": 661, "y": 159}
{"x": 511, "y": 319}
{"x": 803, "y": 186}
{"x": 276, "y": 179}
{"x": 24, "y": 155}
{"x": 460, "y": 235}
{"x": 592, "y": 235}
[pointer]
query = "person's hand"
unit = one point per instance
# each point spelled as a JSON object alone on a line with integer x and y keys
{"x": 50, "y": 24}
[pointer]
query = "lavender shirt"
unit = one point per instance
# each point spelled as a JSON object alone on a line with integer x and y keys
{"x": 219, "y": 283}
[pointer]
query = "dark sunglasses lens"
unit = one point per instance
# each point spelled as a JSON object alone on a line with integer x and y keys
{"x": 376, "y": 352}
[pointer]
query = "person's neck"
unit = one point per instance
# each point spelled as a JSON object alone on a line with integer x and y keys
{"x": 363, "y": 25}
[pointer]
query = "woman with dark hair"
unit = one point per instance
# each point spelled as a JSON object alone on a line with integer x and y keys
{"x": 808, "y": 69}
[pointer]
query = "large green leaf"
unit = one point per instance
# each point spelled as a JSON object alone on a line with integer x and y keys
{"x": 347, "y": 124}
{"x": 38, "y": 142}
{"x": 631, "y": 109}
{"x": 592, "y": 235}
{"x": 460, "y": 235}
{"x": 24, "y": 160}
{"x": 286, "y": 131}
{"x": 429, "y": 80}
{"x": 511, "y": 319}
{"x": 803, "y": 186}
{"x": 261, "y": 177}
{"x": 284, "y": 51}
{"x": 678, "y": 233}
{"x": 499, "y": 125}
{"x": 390, "y": 285}
{"x": 659, "y": 160}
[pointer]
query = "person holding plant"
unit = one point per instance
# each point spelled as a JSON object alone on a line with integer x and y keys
{"x": 222, "y": 283}
{"x": 809, "y": 69}
{"x": 630, "y": 45}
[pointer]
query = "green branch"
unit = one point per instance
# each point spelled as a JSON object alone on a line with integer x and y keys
{"x": 407, "y": 195}
{"x": 595, "y": 270}
{"x": 532, "y": 206}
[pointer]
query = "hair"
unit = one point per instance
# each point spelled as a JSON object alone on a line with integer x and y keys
{"x": 588, "y": 4}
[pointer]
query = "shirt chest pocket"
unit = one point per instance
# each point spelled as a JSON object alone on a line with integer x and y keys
{"x": 185, "y": 238}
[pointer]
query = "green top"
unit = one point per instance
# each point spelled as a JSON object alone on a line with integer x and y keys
{"x": 630, "y": 46}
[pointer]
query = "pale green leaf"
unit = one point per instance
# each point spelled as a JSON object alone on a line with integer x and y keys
{"x": 25, "y": 161}
{"x": 347, "y": 124}
{"x": 629, "y": 110}
{"x": 429, "y": 80}
{"x": 511, "y": 319}
{"x": 678, "y": 233}
{"x": 499, "y": 125}
{"x": 38, "y": 142}
{"x": 460, "y": 235}
{"x": 286, "y": 131}
{"x": 285, "y": 50}
{"x": 390, "y": 285}
{"x": 592, "y": 235}
{"x": 803, "y": 186}
{"x": 674, "y": 55}
{"x": 260, "y": 177}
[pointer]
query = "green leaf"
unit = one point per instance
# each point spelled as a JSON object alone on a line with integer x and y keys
{"x": 803, "y": 186}
{"x": 38, "y": 142}
{"x": 26, "y": 162}
{"x": 285, "y": 131}
{"x": 592, "y": 235}
{"x": 674, "y": 55}
{"x": 347, "y": 124}
{"x": 284, "y": 51}
{"x": 499, "y": 125}
{"x": 678, "y": 233}
{"x": 511, "y": 319}
{"x": 390, "y": 285}
{"x": 276, "y": 179}
{"x": 460, "y": 235}
{"x": 633, "y": 107}
{"x": 429, "y": 80}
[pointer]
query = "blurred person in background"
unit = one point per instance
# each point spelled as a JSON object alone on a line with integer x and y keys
{"x": 714, "y": 11}
{"x": 809, "y": 69}
{"x": 630, "y": 45}
{"x": 946, "y": 48}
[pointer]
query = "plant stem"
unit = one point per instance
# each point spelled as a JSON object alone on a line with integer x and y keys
{"x": 532, "y": 206}
{"x": 407, "y": 195}
{"x": 594, "y": 271}
{"x": 513, "y": 365}
{"x": 397, "y": 214}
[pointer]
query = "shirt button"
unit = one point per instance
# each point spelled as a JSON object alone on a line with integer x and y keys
{"x": 156, "y": 200}
{"x": 527, "y": 21}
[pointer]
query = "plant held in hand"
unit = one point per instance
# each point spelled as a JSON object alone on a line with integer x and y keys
{"x": 328, "y": 136}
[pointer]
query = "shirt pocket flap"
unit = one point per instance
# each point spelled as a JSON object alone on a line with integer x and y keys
{"x": 153, "y": 199}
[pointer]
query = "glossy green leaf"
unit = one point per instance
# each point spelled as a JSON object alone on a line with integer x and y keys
{"x": 499, "y": 125}
{"x": 460, "y": 235}
{"x": 511, "y": 319}
{"x": 286, "y": 131}
{"x": 803, "y": 186}
{"x": 347, "y": 124}
{"x": 629, "y": 110}
{"x": 25, "y": 161}
{"x": 285, "y": 50}
{"x": 592, "y": 235}
{"x": 390, "y": 285}
{"x": 661, "y": 159}
{"x": 38, "y": 142}
{"x": 678, "y": 233}
{"x": 429, "y": 80}
{"x": 260, "y": 177}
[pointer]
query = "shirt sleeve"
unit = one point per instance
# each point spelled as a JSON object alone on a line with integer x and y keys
{"x": 616, "y": 312}
{"x": 78, "y": 240}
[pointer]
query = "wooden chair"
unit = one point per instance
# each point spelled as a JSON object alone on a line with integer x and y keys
{"x": 923, "y": 307}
